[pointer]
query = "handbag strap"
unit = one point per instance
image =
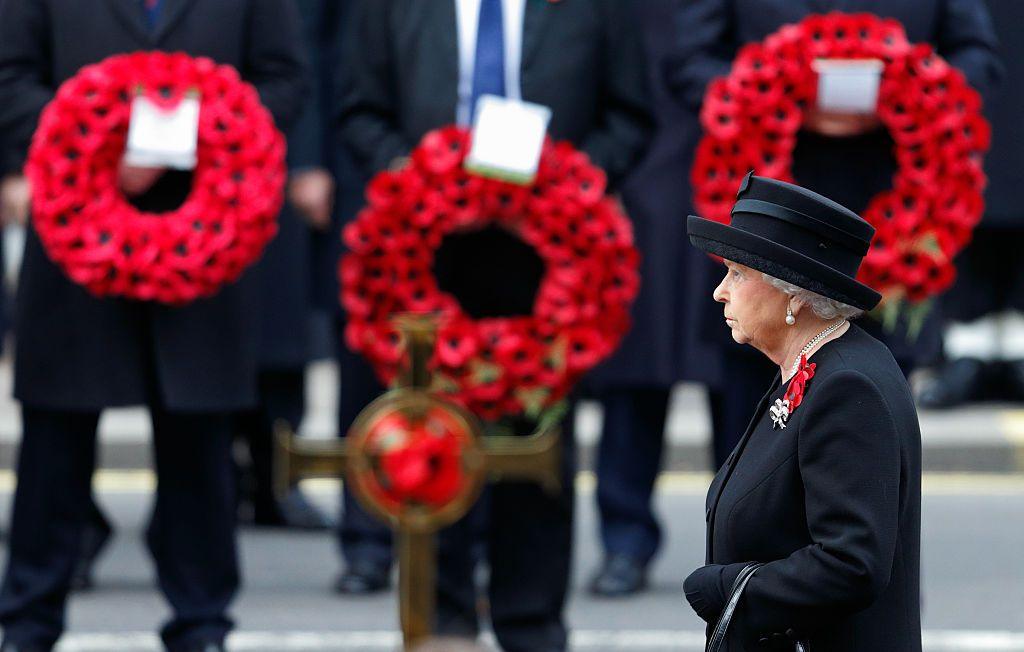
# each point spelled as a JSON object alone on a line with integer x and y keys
{"x": 718, "y": 636}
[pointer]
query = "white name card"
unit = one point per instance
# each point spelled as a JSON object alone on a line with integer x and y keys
{"x": 848, "y": 85}
{"x": 508, "y": 136}
{"x": 163, "y": 137}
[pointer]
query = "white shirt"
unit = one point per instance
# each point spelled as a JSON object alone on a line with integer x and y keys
{"x": 467, "y": 13}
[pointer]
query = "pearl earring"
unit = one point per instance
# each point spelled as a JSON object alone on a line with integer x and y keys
{"x": 790, "y": 319}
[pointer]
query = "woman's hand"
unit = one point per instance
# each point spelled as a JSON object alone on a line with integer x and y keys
{"x": 15, "y": 199}
{"x": 840, "y": 125}
{"x": 312, "y": 193}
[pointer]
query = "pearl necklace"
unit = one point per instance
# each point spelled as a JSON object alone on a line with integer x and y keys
{"x": 814, "y": 342}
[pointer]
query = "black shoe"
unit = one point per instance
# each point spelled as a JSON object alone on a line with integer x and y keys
{"x": 959, "y": 381}
{"x": 14, "y": 647}
{"x": 294, "y": 512}
{"x": 621, "y": 575}
{"x": 1013, "y": 380}
{"x": 94, "y": 539}
{"x": 203, "y": 647}
{"x": 364, "y": 578}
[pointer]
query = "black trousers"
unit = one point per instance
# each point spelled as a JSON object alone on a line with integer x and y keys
{"x": 282, "y": 395}
{"x": 628, "y": 461}
{"x": 191, "y": 533}
{"x": 361, "y": 537}
{"x": 526, "y": 538}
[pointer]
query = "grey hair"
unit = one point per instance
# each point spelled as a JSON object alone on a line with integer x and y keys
{"x": 823, "y": 307}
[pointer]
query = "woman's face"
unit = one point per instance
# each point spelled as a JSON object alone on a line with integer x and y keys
{"x": 754, "y": 309}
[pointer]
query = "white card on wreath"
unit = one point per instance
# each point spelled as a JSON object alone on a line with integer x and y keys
{"x": 163, "y": 137}
{"x": 507, "y": 139}
{"x": 848, "y": 85}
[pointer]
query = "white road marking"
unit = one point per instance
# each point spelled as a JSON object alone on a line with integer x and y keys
{"x": 676, "y": 483}
{"x": 608, "y": 640}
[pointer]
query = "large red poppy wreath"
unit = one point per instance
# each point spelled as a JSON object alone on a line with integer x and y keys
{"x": 751, "y": 118}
{"x": 113, "y": 249}
{"x": 494, "y": 366}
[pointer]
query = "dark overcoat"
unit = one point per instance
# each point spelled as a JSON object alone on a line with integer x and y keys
{"x": 1004, "y": 163}
{"x": 831, "y": 504}
{"x": 659, "y": 349}
{"x": 75, "y": 351}
{"x": 848, "y": 170}
{"x": 291, "y": 273}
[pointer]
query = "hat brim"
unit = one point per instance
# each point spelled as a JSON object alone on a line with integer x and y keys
{"x": 779, "y": 261}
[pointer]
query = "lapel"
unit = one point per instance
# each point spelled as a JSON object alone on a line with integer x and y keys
{"x": 534, "y": 20}
{"x": 730, "y": 463}
{"x": 170, "y": 13}
{"x": 130, "y": 13}
{"x": 434, "y": 28}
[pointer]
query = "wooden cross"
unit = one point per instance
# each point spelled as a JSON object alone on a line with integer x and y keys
{"x": 535, "y": 457}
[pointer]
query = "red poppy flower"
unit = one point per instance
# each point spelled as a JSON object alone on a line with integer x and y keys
{"x": 442, "y": 150}
{"x": 456, "y": 344}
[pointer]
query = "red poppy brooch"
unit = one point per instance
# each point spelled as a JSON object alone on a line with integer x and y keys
{"x": 794, "y": 396}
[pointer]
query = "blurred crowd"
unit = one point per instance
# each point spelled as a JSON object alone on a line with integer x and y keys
{"x": 355, "y": 84}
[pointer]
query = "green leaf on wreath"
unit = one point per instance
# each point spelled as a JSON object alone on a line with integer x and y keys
{"x": 484, "y": 372}
{"x": 442, "y": 383}
{"x": 553, "y": 415}
{"x": 557, "y": 354}
{"x": 533, "y": 400}
{"x": 929, "y": 244}
{"x": 917, "y": 314}
{"x": 888, "y": 312}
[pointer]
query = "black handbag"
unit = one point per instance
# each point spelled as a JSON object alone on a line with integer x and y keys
{"x": 717, "y": 639}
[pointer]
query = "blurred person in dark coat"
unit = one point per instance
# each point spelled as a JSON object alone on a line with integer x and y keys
{"x": 846, "y": 159}
{"x": 984, "y": 336}
{"x": 409, "y": 72}
{"x": 634, "y": 385}
{"x": 193, "y": 366}
{"x": 285, "y": 275}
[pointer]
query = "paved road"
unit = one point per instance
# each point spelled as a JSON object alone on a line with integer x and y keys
{"x": 973, "y": 529}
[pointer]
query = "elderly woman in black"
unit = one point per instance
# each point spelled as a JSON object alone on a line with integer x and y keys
{"x": 813, "y": 523}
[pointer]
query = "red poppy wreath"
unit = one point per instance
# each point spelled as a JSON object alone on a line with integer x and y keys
{"x": 111, "y": 248}
{"x": 494, "y": 366}
{"x": 751, "y": 118}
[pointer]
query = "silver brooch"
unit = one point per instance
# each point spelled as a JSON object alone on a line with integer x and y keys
{"x": 780, "y": 413}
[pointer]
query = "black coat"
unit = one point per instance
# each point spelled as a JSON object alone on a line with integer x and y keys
{"x": 315, "y": 142}
{"x": 831, "y": 504}
{"x": 583, "y": 59}
{"x": 288, "y": 274}
{"x": 657, "y": 350}
{"x": 1004, "y": 164}
{"x": 75, "y": 351}
{"x": 850, "y": 170}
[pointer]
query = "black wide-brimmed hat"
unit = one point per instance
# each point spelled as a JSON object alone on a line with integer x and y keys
{"x": 795, "y": 235}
